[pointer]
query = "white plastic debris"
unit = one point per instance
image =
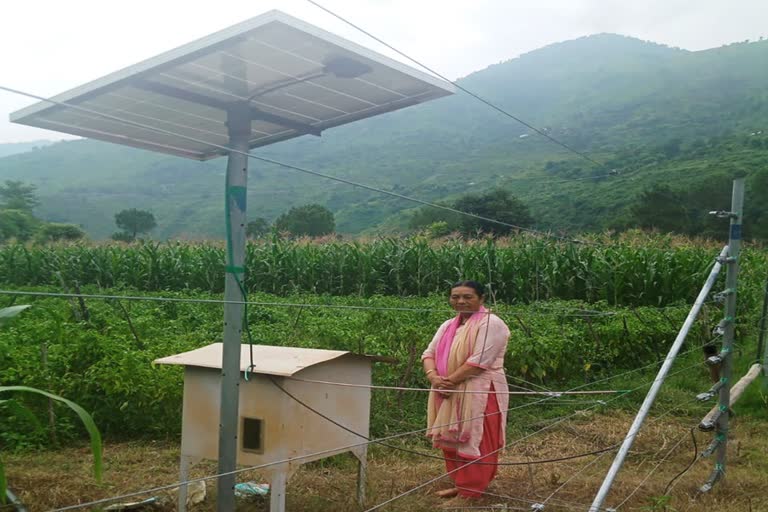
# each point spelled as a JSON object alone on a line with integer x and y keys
{"x": 249, "y": 489}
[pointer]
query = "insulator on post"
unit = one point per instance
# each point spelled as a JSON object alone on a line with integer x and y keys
{"x": 714, "y": 360}
{"x": 711, "y": 392}
{"x": 720, "y": 297}
{"x": 717, "y": 473}
{"x": 722, "y": 214}
{"x": 709, "y": 424}
{"x": 711, "y": 448}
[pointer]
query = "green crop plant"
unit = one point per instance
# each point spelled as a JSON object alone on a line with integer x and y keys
{"x": 96, "y": 445}
{"x": 522, "y": 269}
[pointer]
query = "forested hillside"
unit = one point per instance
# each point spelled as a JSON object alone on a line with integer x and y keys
{"x": 656, "y": 114}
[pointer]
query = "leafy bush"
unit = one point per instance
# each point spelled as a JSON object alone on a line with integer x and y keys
{"x": 106, "y": 365}
{"x": 55, "y": 232}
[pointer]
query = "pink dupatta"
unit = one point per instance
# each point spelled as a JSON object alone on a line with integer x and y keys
{"x": 445, "y": 343}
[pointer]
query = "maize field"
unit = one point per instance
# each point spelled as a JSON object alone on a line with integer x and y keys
{"x": 519, "y": 270}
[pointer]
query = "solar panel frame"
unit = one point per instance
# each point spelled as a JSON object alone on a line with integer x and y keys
{"x": 276, "y": 63}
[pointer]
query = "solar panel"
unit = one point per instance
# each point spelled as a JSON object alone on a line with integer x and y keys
{"x": 295, "y": 78}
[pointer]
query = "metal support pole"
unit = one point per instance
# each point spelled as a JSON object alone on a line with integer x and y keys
{"x": 239, "y": 126}
{"x": 726, "y": 368}
{"x": 17, "y": 505}
{"x": 602, "y": 493}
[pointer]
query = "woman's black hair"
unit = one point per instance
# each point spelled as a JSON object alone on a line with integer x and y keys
{"x": 478, "y": 287}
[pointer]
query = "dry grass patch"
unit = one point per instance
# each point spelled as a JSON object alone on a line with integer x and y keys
{"x": 47, "y": 480}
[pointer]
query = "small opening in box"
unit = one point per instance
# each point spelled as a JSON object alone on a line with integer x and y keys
{"x": 253, "y": 435}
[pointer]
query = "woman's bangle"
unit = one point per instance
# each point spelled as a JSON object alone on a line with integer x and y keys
{"x": 429, "y": 371}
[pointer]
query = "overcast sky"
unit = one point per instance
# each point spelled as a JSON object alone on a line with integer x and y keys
{"x": 49, "y": 46}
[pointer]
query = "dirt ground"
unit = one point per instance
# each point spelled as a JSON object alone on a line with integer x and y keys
{"x": 53, "y": 479}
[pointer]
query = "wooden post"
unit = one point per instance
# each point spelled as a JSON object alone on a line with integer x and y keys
{"x": 708, "y": 423}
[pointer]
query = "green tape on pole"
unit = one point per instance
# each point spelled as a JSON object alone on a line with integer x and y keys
{"x": 230, "y": 269}
{"x": 720, "y": 437}
{"x": 227, "y": 222}
{"x": 239, "y": 194}
{"x": 724, "y": 380}
{"x": 723, "y": 408}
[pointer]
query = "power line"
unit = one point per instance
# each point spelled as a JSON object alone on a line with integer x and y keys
{"x": 581, "y": 507}
{"x": 653, "y": 470}
{"x": 575, "y": 474}
{"x": 429, "y": 455}
{"x": 561, "y": 503}
{"x": 554, "y": 394}
{"x": 560, "y": 420}
{"x": 347, "y": 447}
{"x": 457, "y": 85}
{"x": 654, "y": 421}
{"x": 293, "y": 167}
{"x": 261, "y": 466}
{"x": 580, "y": 313}
{"x": 576, "y": 313}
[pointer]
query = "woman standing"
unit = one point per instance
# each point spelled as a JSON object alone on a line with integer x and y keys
{"x": 466, "y": 412}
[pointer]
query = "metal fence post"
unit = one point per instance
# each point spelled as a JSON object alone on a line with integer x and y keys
{"x": 645, "y": 408}
{"x": 729, "y": 329}
{"x": 720, "y": 443}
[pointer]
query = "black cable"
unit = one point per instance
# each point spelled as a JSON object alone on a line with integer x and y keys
{"x": 690, "y": 465}
{"x": 455, "y": 84}
{"x": 429, "y": 455}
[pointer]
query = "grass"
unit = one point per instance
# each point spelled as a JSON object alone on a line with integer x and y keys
{"x": 45, "y": 480}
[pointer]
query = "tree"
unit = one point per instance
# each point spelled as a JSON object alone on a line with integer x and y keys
{"x": 18, "y": 196}
{"x": 662, "y": 208}
{"x": 428, "y": 216}
{"x": 498, "y": 204}
{"x": 135, "y": 221}
{"x": 309, "y": 220}
{"x": 55, "y": 232}
{"x": 17, "y": 224}
{"x": 257, "y": 227}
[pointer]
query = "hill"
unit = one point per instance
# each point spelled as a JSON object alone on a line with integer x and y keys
{"x": 14, "y": 148}
{"x": 654, "y": 112}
